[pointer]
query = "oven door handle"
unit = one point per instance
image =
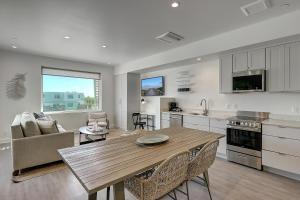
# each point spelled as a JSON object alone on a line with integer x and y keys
{"x": 258, "y": 130}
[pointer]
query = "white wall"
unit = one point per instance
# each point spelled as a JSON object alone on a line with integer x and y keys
{"x": 12, "y": 63}
{"x": 270, "y": 29}
{"x": 205, "y": 84}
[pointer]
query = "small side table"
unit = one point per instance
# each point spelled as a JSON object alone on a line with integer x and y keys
{"x": 84, "y": 131}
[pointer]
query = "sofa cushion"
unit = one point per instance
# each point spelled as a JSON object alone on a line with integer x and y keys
{"x": 29, "y": 125}
{"x": 48, "y": 127}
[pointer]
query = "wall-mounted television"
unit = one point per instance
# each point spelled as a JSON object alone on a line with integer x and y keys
{"x": 154, "y": 86}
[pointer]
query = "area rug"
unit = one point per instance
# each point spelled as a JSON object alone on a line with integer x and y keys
{"x": 38, "y": 171}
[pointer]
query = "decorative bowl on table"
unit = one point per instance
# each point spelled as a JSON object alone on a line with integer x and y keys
{"x": 152, "y": 139}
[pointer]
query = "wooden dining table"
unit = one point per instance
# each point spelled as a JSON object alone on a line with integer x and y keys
{"x": 102, "y": 164}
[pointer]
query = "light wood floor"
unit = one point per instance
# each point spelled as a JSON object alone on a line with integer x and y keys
{"x": 229, "y": 181}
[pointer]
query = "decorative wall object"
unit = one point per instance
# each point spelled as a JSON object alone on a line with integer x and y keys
{"x": 183, "y": 81}
{"x": 15, "y": 88}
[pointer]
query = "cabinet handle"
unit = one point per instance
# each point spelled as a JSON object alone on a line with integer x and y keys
{"x": 283, "y": 138}
{"x": 282, "y": 154}
{"x": 282, "y": 126}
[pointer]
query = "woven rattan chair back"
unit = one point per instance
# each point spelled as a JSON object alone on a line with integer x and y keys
{"x": 203, "y": 160}
{"x": 169, "y": 175}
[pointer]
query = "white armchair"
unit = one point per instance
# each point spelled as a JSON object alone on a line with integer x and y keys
{"x": 98, "y": 117}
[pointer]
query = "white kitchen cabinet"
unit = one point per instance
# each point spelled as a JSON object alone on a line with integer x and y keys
{"x": 281, "y": 145}
{"x": 165, "y": 120}
{"x": 275, "y": 68}
{"x": 240, "y": 61}
{"x": 249, "y": 60}
{"x": 292, "y": 69}
{"x": 221, "y": 151}
{"x": 165, "y": 123}
{"x": 281, "y": 148}
{"x": 257, "y": 59}
{"x": 196, "y": 122}
{"x": 281, "y": 131}
{"x": 219, "y": 126}
{"x": 281, "y": 161}
{"x": 226, "y": 73}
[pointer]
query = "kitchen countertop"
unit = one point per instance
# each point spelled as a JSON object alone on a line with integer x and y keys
{"x": 213, "y": 115}
{"x": 283, "y": 123}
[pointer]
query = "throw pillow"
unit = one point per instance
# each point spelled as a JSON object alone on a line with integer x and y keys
{"x": 39, "y": 115}
{"x": 29, "y": 125}
{"x": 47, "y": 127}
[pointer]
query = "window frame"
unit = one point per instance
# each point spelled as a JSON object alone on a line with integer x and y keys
{"x": 99, "y": 103}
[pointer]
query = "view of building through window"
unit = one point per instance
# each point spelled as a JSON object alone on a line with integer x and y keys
{"x": 64, "y": 93}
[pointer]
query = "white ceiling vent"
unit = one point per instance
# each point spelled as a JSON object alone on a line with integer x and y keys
{"x": 169, "y": 37}
{"x": 256, "y": 7}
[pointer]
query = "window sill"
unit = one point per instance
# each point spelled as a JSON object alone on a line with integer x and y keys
{"x": 70, "y": 112}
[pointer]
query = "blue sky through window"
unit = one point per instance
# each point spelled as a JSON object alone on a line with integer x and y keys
{"x": 68, "y": 84}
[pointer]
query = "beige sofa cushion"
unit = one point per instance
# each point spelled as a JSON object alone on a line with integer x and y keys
{"x": 47, "y": 127}
{"x": 29, "y": 125}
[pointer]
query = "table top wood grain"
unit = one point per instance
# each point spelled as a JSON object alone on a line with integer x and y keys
{"x": 101, "y": 164}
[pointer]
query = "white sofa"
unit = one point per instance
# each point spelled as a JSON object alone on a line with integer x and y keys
{"x": 38, "y": 149}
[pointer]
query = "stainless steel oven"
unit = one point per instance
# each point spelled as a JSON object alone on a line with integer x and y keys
{"x": 249, "y": 81}
{"x": 244, "y": 139}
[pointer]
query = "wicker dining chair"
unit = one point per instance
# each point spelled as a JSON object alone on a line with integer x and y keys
{"x": 202, "y": 161}
{"x": 165, "y": 178}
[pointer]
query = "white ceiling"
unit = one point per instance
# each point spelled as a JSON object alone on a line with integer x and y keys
{"x": 127, "y": 27}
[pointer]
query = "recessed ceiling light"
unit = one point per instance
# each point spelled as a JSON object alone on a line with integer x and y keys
{"x": 175, "y": 4}
{"x": 67, "y": 37}
{"x": 199, "y": 59}
{"x": 103, "y": 46}
{"x": 14, "y": 46}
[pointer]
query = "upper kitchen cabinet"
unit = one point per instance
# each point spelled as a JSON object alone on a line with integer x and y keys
{"x": 226, "y": 74}
{"x": 292, "y": 66}
{"x": 240, "y": 61}
{"x": 249, "y": 60}
{"x": 257, "y": 59}
{"x": 275, "y": 68}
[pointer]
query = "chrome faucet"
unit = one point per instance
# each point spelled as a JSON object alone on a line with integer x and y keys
{"x": 205, "y": 111}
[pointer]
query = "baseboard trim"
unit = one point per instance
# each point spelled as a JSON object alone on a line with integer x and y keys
{"x": 282, "y": 173}
{"x": 4, "y": 140}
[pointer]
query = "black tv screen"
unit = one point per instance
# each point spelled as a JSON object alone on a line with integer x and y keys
{"x": 154, "y": 86}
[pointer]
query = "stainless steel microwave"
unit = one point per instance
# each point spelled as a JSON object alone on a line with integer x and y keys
{"x": 249, "y": 81}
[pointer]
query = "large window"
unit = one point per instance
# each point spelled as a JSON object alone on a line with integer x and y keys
{"x": 65, "y": 90}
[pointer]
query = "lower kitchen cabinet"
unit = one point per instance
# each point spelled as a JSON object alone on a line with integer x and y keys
{"x": 196, "y": 126}
{"x": 219, "y": 126}
{"x": 281, "y": 161}
{"x": 281, "y": 148}
{"x": 196, "y": 122}
{"x": 221, "y": 151}
{"x": 165, "y": 123}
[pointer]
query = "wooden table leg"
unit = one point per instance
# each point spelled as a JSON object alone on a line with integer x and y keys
{"x": 93, "y": 196}
{"x": 119, "y": 191}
